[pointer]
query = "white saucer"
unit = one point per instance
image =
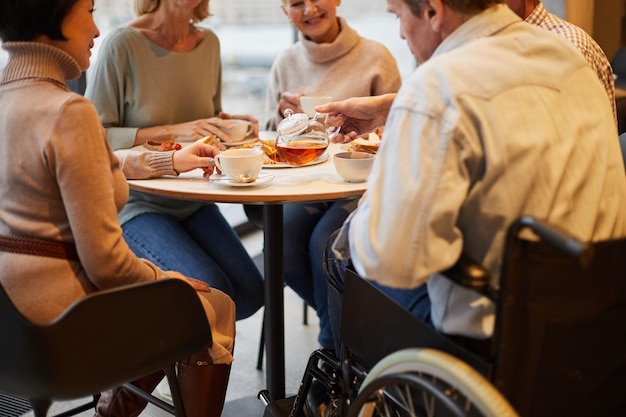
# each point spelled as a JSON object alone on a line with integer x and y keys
{"x": 224, "y": 180}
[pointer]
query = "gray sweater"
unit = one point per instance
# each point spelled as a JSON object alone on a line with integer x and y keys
{"x": 136, "y": 83}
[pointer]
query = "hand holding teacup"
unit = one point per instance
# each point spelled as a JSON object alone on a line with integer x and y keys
{"x": 236, "y": 128}
{"x": 300, "y": 103}
{"x": 309, "y": 103}
{"x": 196, "y": 155}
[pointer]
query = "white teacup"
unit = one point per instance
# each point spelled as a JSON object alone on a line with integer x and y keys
{"x": 241, "y": 165}
{"x": 239, "y": 129}
{"x": 308, "y": 103}
{"x": 353, "y": 166}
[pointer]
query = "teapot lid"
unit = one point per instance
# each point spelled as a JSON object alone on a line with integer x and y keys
{"x": 293, "y": 123}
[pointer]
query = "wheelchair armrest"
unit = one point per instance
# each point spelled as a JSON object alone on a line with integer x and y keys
{"x": 373, "y": 326}
{"x": 470, "y": 274}
{"x": 552, "y": 235}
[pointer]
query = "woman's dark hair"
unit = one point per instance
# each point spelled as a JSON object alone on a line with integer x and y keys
{"x": 22, "y": 20}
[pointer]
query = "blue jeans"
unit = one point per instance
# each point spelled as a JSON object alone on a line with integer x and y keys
{"x": 307, "y": 229}
{"x": 414, "y": 300}
{"x": 202, "y": 246}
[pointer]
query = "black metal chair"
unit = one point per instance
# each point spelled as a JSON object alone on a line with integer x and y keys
{"x": 103, "y": 340}
{"x": 559, "y": 346}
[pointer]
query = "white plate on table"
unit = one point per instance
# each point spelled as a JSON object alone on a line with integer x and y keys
{"x": 322, "y": 158}
{"x": 263, "y": 178}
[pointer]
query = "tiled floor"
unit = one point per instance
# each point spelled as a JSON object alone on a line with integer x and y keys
{"x": 246, "y": 381}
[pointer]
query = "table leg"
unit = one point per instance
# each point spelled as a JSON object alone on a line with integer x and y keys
{"x": 274, "y": 300}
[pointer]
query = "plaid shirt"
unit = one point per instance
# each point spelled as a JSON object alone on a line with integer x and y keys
{"x": 585, "y": 43}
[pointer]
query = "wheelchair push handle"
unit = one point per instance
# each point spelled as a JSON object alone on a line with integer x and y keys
{"x": 555, "y": 237}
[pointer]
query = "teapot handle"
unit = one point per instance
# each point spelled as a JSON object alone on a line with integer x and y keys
{"x": 332, "y": 131}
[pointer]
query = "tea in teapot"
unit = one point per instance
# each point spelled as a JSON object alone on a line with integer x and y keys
{"x": 302, "y": 140}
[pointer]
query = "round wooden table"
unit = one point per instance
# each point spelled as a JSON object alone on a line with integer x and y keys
{"x": 313, "y": 183}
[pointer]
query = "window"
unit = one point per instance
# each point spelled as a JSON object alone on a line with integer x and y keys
{"x": 252, "y": 33}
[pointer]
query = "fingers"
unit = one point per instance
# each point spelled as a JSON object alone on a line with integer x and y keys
{"x": 220, "y": 134}
{"x": 247, "y": 117}
{"x": 208, "y": 171}
{"x": 289, "y": 101}
{"x": 291, "y": 97}
{"x": 196, "y": 284}
{"x": 344, "y": 137}
{"x": 334, "y": 108}
{"x": 333, "y": 119}
{"x": 213, "y": 141}
{"x": 199, "y": 285}
{"x": 202, "y": 149}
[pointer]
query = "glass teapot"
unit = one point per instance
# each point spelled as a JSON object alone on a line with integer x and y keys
{"x": 302, "y": 140}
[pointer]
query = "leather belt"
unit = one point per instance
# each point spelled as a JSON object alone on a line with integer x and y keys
{"x": 39, "y": 247}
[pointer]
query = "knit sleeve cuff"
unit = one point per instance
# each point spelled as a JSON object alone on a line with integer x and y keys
{"x": 162, "y": 163}
{"x": 147, "y": 164}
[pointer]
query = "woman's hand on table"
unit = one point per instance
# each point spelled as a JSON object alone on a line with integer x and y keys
{"x": 183, "y": 132}
{"x": 212, "y": 127}
{"x": 197, "y": 155}
{"x": 357, "y": 115}
{"x": 197, "y": 129}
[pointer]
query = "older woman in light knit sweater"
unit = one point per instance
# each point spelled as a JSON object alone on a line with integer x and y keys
{"x": 61, "y": 188}
{"x": 331, "y": 59}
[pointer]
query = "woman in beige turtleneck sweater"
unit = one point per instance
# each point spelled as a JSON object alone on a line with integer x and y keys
{"x": 61, "y": 183}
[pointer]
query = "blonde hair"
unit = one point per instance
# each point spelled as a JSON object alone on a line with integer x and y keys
{"x": 200, "y": 13}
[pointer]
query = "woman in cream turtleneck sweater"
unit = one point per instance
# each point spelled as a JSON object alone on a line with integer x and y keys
{"x": 330, "y": 59}
{"x": 61, "y": 186}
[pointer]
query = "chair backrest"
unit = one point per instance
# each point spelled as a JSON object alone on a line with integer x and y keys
{"x": 104, "y": 339}
{"x": 561, "y": 329}
{"x": 618, "y": 63}
{"x": 620, "y": 108}
{"x": 622, "y": 144}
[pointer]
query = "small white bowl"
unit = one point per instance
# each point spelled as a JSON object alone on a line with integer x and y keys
{"x": 353, "y": 166}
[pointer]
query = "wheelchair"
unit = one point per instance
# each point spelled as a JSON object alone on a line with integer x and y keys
{"x": 558, "y": 349}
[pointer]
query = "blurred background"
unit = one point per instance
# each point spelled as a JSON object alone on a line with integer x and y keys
{"x": 253, "y": 32}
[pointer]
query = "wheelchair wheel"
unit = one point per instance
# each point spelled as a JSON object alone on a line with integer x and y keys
{"x": 427, "y": 382}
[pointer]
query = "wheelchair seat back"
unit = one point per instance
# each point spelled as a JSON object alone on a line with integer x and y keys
{"x": 559, "y": 345}
{"x": 560, "y": 337}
